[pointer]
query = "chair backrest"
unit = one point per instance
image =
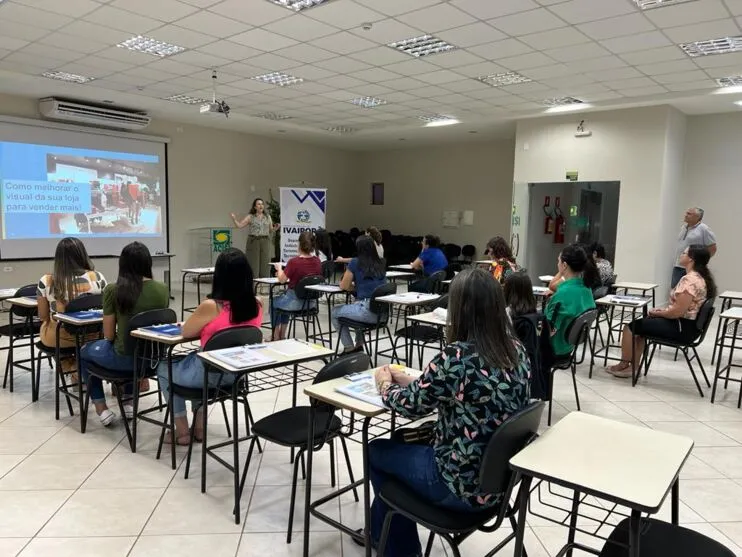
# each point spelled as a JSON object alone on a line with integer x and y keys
{"x": 600, "y": 292}
{"x": 328, "y": 269}
{"x": 441, "y": 302}
{"x": 510, "y": 437}
{"x": 468, "y": 251}
{"x": 379, "y": 308}
{"x": 84, "y": 303}
{"x": 342, "y": 366}
{"x": 703, "y": 320}
{"x": 577, "y": 331}
{"x": 146, "y": 319}
{"x": 23, "y": 291}
{"x": 434, "y": 282}
{"x": 301, "y": 288}
{"x": 452, "y": 251}
{"x": 234, "y": 336}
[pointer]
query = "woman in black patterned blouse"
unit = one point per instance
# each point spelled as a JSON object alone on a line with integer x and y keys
{"x": 478, "y": 381}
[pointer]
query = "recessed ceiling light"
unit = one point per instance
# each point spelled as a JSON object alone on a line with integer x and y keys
{"x": 424, "y": 45}
{"x": 298, "y": 5}
{"x": 151, "y": 46}
{"x": 437, "y": 120}
{"x": 65, "y": 76}
{"x": 650, "y": 4}
{"x": 272, "y": 116}
{"x": 278, "y": 78}
{"x": 368, "y": 102}
{"x": 564, "y": 104}
{"x": 186, "y": 99}
{"x": 722, "y": 45}
{"x": 731, "y": 81}
{"x": 502, "y": 79}
{"x": 340, "y": 129}
{"x": 738, "y": 103}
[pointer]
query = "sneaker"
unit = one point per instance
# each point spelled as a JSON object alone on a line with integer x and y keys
{"x": 107, "y": 417}
{"x": 129, "y": 411}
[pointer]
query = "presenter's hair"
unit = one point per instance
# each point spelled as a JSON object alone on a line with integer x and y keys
{"x": 253, "y": 209}
{"x": 70, "y": 261}
{"x": 233, "y": 285}
{"x": 135, "y": 264}
{"x": 306, "y": 242}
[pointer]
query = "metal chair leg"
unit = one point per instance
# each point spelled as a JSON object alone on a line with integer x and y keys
{"x": 350, "y": 468}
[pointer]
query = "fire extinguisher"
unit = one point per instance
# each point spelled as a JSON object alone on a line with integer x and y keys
{"x": 548, "y": 220}
{"x": 560, "y": 223}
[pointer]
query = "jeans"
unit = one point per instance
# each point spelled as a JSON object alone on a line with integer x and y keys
{"x": 287, "y": 301}
{"x": 189, "y": 372}
{"x": 357, "y": 311}
{"x": 677, "y": 274}
{"x": 414, "y": 466}
{"x": 103, "y": 354}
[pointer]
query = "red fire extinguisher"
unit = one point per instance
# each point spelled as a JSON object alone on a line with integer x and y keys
{"x": 560, "y": 224}
{"x": 548, "y": 220}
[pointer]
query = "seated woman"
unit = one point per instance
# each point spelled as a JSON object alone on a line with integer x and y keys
{"x": 74, "y": 275}
{"x": 479, "y": 379}
{"x": 365, "y": 273}
{"x": 573, "y": 297}
{"x": 431, "y": 260}
{"x": 677, "y": 321}
{"x": 519, "y": 298}
{"x": 605, "y": 269}
{"x": 231, "y": 304}
{"x": 322, "y": 245}
{"x": 306, "y": 264}
{"x": 134, "y": 292}
{"x": 590, "y": 274}
{"x": 503, "y": 262}
{"x": 376, "y": 236}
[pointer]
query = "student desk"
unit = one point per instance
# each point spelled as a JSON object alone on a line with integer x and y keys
{"x": 588, "y": 455}
{"x": 642, "y": 287}
{"x": 546, "y": 279}
{"x": 167, "y": 274}
{"x": 30, "y": 303}
{"x": 404, "y": 267}
{"x": 731, "y": 318}
{"x": 330, "y": 290}
{"x": 273, "y": 380}
{"x": 613, "y": 302}
{"x": 727, "y": 298}
{"x": 197, "y": 272}
{"x": 431, "y": 319}
{"x": 272, "y": 283}
{"x": 409, "y": 301}
{"x": 327, "y": 392}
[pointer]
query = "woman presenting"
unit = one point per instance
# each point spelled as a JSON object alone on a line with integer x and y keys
{"x": 259, "y": 229}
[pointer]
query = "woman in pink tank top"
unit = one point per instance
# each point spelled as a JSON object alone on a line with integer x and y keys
{"x": 231, "y": 304}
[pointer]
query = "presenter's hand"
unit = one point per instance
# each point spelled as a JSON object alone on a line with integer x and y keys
{"x": 276, "y": 226}
{"x": 234, "y": 217}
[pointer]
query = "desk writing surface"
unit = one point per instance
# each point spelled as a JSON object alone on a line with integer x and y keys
{"x": 732, "y": 313}
{"x": 546, "y": 278}
{"x": 266, "y": 280}
{"x": 198, "y": 270}
{"x": 644, "y": 286}
{"x": 408, "y": 298}
{"x": 398, "y": 274}
{"x": 162, "y": 339}
{"x": 61, "y": 317}
{"x": 730, "y": 295}
{"x": 541, "y": 291}
{"x": 404, "y": 267}
{"x": 278, "y": 359}
{"x": 326, "y": 288}
{"x": 612, "y": 300}
{"x": 430, "y": 318}
{"x": 594, "y": 453}
{"x": 23, "y": 301}
{"x": 6, "y": 293}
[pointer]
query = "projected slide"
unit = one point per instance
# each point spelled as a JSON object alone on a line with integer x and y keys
{"x": 51, "y": 192}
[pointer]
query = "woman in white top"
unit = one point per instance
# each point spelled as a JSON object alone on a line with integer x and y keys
{"x": 259, "y": 229}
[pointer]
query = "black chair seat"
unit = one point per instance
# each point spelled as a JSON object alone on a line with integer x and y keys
{"x": 399, "y": 496}
{"x": 423, "y": 333}
{"x": 21, "y": 329}
{"x": 196, "y": 393}
{"x": 300, "y": 312}
{"x": 562, "y": 362}
{"x": 51, "y": 350}
{"x": 107, "y": 374}
{"x": 357, "y": 324}
{"x": 662, "y": 539}
{"x": 289, "y": 427}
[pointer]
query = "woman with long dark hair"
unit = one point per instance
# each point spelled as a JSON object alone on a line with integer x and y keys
{"x": 589, "y": 273}
{"x": 322, "y": 245}
{"x": 260, "y": 227}
{"x": 475, "y": 383}
{"x": 519, "y": 298}
{"x": 677, "y": 321}
{"x": 134, "y": 292}
{"x": 503, "y": 262}
{"x": 231, "y": 304}
{"x": 364, "y": 274}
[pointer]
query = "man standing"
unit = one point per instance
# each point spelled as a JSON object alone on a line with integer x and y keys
{"x": 694, "y": 232}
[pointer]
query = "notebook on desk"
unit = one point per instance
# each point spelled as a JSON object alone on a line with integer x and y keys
{"x": 241, "y": 357}
{"x": 168, "y": 329}
{"x": 634, "y": 300}
{"x": 363, "y": 389}
{"x": 83, "y": 315}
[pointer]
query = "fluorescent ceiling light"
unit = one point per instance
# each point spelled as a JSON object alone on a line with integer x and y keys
{"x": 561, "y": 101}
{"x": 722, "y": 45}
{"x": 502, "y": 79}
{"x": 438, "y": 120}
{"x": 186, "y": 99}
{"x": 731, "y": 81}
{"x": 424, "y": 45}
{"x": 728, "y": 90}
{"x": 272, "y": 116}
{"x": 151, "y": 46}
{"x": 568, "y": 108}
{"x": 298, "y": 5}
{"x": 738, "y": 103}
{"x": 65, "y": 76}
{"x": 340, "y": 129}
{"x": 368, "y": 102}
{"x": 650, "y": 4}
{"x": 278, "y": 78}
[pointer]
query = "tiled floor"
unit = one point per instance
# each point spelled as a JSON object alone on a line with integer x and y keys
{"x": 66, "y": 494}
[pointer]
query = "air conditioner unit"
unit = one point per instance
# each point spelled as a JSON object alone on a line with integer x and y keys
{"x": 93, "y": 114}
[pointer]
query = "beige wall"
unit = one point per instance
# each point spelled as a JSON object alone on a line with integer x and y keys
{"x": 211, "y": 173}
{"x": 421, "y": 183}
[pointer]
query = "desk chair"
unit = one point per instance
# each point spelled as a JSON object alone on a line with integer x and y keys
{"x": 424, "y": 335}
{"x": 143, "y": 367}
{"x": 467, "y": 254}
{"x": 226, "y": 338}
{"x": 662, "y": 539}
{"x": 289, "y": 428}
{"x": 578, "y": 336}
{"x": 495, "y": 476}
{"x": 309, "y": 312}
{"x": 703, "y": 322}
{"x": 382, "y": 312}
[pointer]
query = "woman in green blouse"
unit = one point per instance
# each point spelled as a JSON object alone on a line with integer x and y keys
{"x": 259, "y": 229}
{"x": 479, "y": 380}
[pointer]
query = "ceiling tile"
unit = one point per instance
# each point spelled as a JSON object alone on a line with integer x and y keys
{"x": 201, "y": 3}
{"x": 73, "y": 43}
{"x": 571, "y": 81}
{"x": 655, "y": 55}
{"x": 343, "y": 15}
{"x": 525, "y": 61}
{"x": 404, "y": 84}
{"x": 89, "y": 71}
{"x": 305, "y": 53}
{"x": 374, "y": 75}
{"x": 106, "y": 64}
{"x": 229, "y": 50}
{"x": 380, "y": 56}
{"x": 644, "y": 91}
{"x": 723, "y": 71}
{"x": 702, "y": 31}
{"x": 525, "y": 23}
{"x": 202, "y": 60}
{"x": 171, "y": 65}
{"x": 501, "y": 49}
{"x": 183, "y": 37}
{"x": 27, "y": 63}
{"x": 643, "y": 42}
{"x": 240, "y": 69}
{"x": 577, "y": 52}
{"x": 342, "y": 65}
{"x": 213, "y": 24}
{"x": 733, "y": 59}
{"x": 71, "y": 8}
{"x": 490, "y": 9}
{"x": 471, "y": 35}
{"x": 9, "y": 43}
{"x": 556, "y": 38}
{"x": 125, "y": 55}
{"x": 342, "y": 82}
{"x": 548, "y": 72}
{"x": 581, "y": 11}
{"x": 697, "y": 75}
{"x": 96, "y": 32}
{"x": 395, "y": 7}
{"x": 465, "y": 86}
{"x": 263, "y": 40}
{"x": 164, "y": 10}
{"x": 313, "y": 72}
{"x": 735, "y": 6}
{"x": 121, "y": 20}
{"x": 667, "y": 67}
{"x": 633, "y": 83}
{"x": 343, "y": 43}
{"x": 32, "y": 16}
{"x": 617, "y": 26}
{"x": 687, "y": 13}
{"x": 483, "y": 68}
{"x": 615, "y": 74}
{"x": 596, "y": 64}
{"x": 52, "y": 52}
{"x": 691, "y": 86}
{"x": 253, "y": 12}
{"x": 455, "y": 59}
{"x": 437, "y": 18}
{"x": 411, "y": 67}
{"x": 387, "y": 31}
{"x": 300, "y": 28}
{"x": 20, "y": 31}
{"x": 273, "y": 62}
{"x": 441, "y": 76}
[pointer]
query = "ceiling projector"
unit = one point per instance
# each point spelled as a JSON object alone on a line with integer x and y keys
{"x": 217, "y": 107}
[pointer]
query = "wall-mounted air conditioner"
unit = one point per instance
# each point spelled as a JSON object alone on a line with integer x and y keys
{"x": 93, "y": 114}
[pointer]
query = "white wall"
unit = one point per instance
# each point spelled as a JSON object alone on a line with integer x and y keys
{"x": 713, "y": 180}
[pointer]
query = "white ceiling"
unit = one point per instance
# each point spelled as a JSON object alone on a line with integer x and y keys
{"x": 605, "y": 52}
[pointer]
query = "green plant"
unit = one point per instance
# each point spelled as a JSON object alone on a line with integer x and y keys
{"x": 274, "y": 207}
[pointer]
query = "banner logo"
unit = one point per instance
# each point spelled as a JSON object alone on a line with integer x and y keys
{"x": 303, "y": 217}
{"x": 221, "y": 240}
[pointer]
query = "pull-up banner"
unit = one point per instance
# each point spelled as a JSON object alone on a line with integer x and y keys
{"x": 301, "y": 209}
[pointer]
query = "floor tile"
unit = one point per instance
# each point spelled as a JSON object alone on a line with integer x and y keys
{"x": 24, "y": 513}
{"x": 715, "y": 533}
{"x": 321, "y": 544}
{"x": 732, "y": 530}
{"x": 10, "y": 547}
{"x": 213, "y": 545}
{"x": 654, "y": 411}
{"x": 269, "y": 509}
{"x": 123, "y": 470}
{"x": 703, "y": 435}
{"x": 9, "y": 461}
{"x": 714, "y": 500}
{"x": 79, "y": 547}
{"x": 69, "y": 441}
{"x": 727, "y": 460}
{"x": 730, "y": 429}
{"x": 40, "y": 472}
{"x": 704, "y": 411}
{"x": 24, "y": 440}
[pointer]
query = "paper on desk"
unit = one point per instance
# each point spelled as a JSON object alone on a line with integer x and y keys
{"x": 8, "y": 292}
{"x": 363, "y": 389}
{"x": 290, "y": 347}
{"x": 241, "y": 357}
{"x": 442, "y": 313}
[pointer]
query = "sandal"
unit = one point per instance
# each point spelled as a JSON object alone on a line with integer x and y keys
{"x": 182, "y": 440}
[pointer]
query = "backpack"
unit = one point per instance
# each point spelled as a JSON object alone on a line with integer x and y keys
{"x": 533, "y": 332}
